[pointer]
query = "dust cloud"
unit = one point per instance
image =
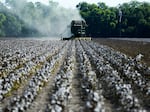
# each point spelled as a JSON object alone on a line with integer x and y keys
{"x": 50, "y": 20}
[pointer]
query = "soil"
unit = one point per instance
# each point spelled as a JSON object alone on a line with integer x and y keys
{"x": 130, "y": 48}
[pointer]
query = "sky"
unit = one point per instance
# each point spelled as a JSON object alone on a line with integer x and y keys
{"x": 73, "y": 3}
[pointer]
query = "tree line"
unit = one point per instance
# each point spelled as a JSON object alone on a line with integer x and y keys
{"x": 103, "y": 21}
{"x": 20, "y": 18}
{"x": 12, "y": 26}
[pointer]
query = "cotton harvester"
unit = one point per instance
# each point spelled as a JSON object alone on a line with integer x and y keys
{"x": 78, "y": 30}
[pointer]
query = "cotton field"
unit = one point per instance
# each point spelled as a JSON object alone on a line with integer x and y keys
{"x": 70, "y": 76}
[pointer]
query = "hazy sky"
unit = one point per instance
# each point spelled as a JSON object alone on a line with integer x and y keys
{"x": 73, "y": 3}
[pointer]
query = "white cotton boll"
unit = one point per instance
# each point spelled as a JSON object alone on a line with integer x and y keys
{"x": 52, "y": 110}
{"x": 83, "y": 86}
{"x": 91, "y": 73}
{"x": 61, "y": 91}
{"x": 22, "y": 109}
{"x": 23, "y": 102}
{"x": 1, "y": 88}
{"x": 70, "y": 96}
{"x": 138, "y": 74}
{"x": 58, "y": 108}
{"x": 88, "y": 104}
{"x": 117, "y": 87}
{"x": 96, "y": 97}
{"x": 53, "y": 101}
{"x": 1, "y": 80}
{"x": 136, "y": 102}
{"x": 58, "y": 102}
{"x": 15, "y": 109}
{"x": 148, "y": 91}
{"x": 9, "y": 88}
{"x": 142, "y": 110}
{"x": 138, "y": 57}
{"x": 7, "y": 79}
{"x": 27, "y": 104}
{"x": 148, "y": 70}
{"x": 1, "y": 97}
{"x": 92, "y": 77}
{"x": 87, "y": 90}
{"x": 98, "y": 108}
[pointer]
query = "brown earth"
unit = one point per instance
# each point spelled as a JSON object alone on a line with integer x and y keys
{"x": 130, "y": 48}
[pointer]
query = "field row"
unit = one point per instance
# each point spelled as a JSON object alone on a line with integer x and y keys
{"x": 64, "y": 76}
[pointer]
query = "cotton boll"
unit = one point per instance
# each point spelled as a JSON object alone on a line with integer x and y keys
{"x": 87, "y": 90}
{"x": 1, "y": 81}
{"x": 1, "y": 96}
{"x": 99, "y": 108}
{"x": 139, "y": 57}
{"x": 57, "y": 108}
{"x": 15, "y": 109}
{"x": 53, "y": 101}
{"x": 88, "y": 104}
{"x": 148, "y": 91}
{"x": 96, "y": 97}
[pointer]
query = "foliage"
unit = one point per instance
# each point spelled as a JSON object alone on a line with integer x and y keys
{"x": 11, "y": 25}
{"x": 21, "y": 18}
{"x": 103, "y": 21}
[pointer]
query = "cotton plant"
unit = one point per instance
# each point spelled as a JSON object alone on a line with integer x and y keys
{"x": 112, "y": 81}
{"x": 63, "y": 80}
{"x": 22, "y": 103}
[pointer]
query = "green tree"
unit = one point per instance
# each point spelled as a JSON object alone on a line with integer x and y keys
{"x": 104, "y": 21}
{"x": 2, "y": 20}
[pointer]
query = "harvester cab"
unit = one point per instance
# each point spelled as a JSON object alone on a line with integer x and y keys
{"x": 78, "y": 28}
